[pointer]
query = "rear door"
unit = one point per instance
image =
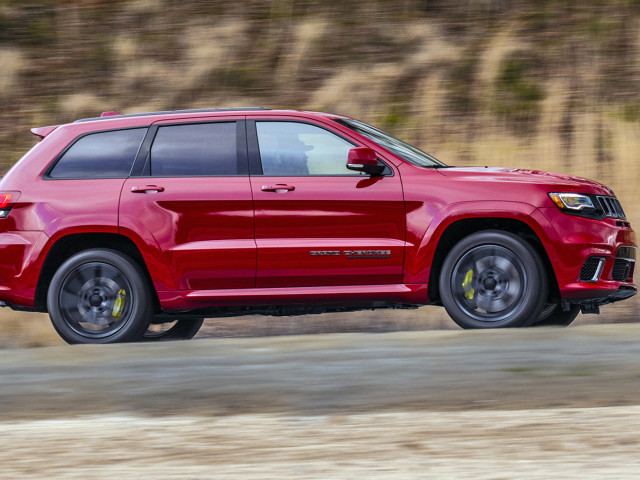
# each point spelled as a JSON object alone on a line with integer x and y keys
{"x": 316, "y": 222}
{"x": 191, "y": 199}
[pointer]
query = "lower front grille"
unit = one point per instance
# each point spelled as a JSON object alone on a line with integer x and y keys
{"x": 591, "y": 269}
{"x": 624, "y": 264}
{"x": 621, "y": 270}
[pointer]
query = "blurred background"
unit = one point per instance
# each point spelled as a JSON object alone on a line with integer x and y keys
{"x": 537, "y": 84}
{"x": 545, "y": 85}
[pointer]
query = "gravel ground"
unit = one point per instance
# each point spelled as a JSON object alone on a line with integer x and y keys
{"x": 576, "y": 443}
{"x": 530, "y": 403}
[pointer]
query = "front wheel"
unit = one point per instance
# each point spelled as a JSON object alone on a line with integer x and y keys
{"x": 99, "y": 296}
{"x": 493, "y": 279}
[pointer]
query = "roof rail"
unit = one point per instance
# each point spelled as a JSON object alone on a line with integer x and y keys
{"x": 110, "y": 115}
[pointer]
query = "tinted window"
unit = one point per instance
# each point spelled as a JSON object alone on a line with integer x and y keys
{"x": 289, "y": 148}
{"x": 195, "y": 150}
{"x": 100, "y": 155}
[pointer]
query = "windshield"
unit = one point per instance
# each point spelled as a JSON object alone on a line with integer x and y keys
{"x": 402, "y": 149}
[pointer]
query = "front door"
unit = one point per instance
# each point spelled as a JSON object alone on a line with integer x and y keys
{"x": 317, "y": 223}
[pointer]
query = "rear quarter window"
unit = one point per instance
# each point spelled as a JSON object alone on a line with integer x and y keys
{"x": 100, "y": 155}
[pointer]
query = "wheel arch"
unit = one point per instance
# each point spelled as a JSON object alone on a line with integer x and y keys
{"x": 462, "y": 228}
{"x": 71, "y": 244}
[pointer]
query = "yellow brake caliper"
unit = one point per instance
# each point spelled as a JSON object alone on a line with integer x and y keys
{"x": 469, "y": 292}
{"x": 118, "y": 305}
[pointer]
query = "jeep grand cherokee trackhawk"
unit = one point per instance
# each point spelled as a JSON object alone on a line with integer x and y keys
{"x": 136, "y": 227}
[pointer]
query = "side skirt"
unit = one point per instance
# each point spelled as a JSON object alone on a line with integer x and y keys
{"x": 307, "y": 298}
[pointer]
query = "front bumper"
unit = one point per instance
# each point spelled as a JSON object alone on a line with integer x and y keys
{"x": 578, "y": 239}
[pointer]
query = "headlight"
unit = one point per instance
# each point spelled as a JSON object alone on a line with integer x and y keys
{"x": 573, "y": 202}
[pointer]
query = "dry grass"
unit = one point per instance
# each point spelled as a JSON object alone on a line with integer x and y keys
{"x": 22, "y": 330}
{"x": 13, "y": 62}
{"x": 82, "y": 104}
{"x": 407, "y": 78}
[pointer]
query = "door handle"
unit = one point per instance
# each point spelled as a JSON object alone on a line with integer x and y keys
{"x": 147, "y": 189}
{"x": 278, "y": 188}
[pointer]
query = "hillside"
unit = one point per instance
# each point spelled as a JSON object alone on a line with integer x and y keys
{"x": 545, "y": 85}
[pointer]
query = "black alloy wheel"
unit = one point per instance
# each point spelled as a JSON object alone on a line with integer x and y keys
{"x": 493, "y": 279}
{"x": 99, "y": 296}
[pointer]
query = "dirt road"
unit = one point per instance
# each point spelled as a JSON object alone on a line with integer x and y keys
{"x": 533, "y": 403}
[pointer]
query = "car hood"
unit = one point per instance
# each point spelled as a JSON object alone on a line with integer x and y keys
{"x": 520, "y": 175}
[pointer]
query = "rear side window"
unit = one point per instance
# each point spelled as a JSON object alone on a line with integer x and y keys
{"x": 204, "y": 149}
{"x": 100, "y": 155}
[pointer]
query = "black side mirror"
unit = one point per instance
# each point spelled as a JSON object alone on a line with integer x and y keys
{"x": 364, "y": 159}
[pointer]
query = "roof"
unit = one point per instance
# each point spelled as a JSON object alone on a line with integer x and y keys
{"x": 143, "y": 119}
{"x": 112, "y": 115}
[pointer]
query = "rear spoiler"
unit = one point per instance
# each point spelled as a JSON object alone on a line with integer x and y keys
{"x": 43, "y": 131}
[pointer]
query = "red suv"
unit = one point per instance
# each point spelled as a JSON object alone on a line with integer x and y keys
{"x": 136, "y": 227}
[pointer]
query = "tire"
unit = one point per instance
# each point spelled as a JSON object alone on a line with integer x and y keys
{"x": 552, "y": 314}
{"x": 182, "y": 329}
{"x": 493, "y": 279}
{"x": 99, "y": 296}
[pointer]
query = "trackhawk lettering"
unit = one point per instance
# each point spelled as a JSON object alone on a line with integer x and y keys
{"x": 368, "y": 253}
{"x": 353, "y": 253}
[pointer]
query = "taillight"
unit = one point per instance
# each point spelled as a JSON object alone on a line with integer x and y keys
{"x": 7, "y": 201}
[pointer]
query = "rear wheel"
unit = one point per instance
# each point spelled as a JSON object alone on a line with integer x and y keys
{"x": 99, "y": 296}
{"x": 493, "y": 279}
{"x": 182, "y": 329}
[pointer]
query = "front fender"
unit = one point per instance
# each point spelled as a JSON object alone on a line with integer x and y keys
{"x": 421, "y": 247}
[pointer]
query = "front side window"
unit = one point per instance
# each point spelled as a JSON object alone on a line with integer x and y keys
{"x": 100, "y": 155}
{"x": 295, "y": 149}
{"x": 195, "y": 150}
